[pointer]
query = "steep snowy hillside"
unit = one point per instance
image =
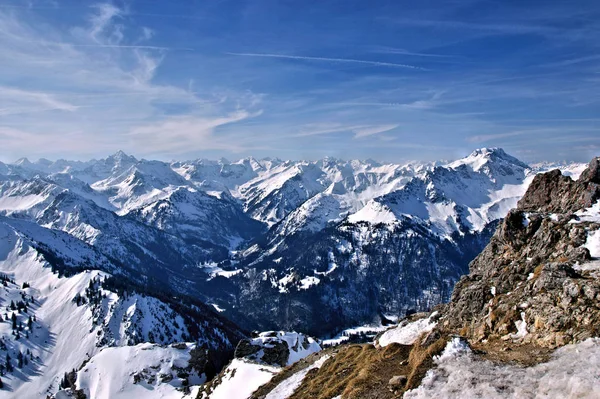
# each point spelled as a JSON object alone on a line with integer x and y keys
{"x": 196, "y": 216}
{"x": 52, "y": 324}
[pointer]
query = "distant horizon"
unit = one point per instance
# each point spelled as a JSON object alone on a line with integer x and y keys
{"x": 342, "y": 78}
{"x": 267, "y": 158}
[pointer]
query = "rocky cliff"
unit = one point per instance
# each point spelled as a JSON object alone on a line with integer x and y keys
{"x": 536, "y": 281}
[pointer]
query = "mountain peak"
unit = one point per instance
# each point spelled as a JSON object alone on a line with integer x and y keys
{"x": 482, "y": 156}
{"x": 22, "y": 162}
{"x": 121, "y": 157}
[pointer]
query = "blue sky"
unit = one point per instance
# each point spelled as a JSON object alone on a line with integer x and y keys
{"x": 388, "y": 80}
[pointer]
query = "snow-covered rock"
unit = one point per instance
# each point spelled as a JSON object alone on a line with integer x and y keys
{"x": 144, "y": 370}
{"x": 278, "y": 348}
{"x": 257, "y": 360}
{"x": 408, "y": 332}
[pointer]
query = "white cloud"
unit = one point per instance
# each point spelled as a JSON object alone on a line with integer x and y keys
{"x": 365, "y": 131}
{"x": 181, "y": 134}
{"x": 102, "y": 26}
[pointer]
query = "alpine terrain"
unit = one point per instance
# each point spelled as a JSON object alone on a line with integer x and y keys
{"x": 126, "y": 277}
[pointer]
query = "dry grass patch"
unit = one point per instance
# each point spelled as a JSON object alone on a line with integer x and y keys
{"x": 356, "y": 371}
{"x": 363, "y": 372}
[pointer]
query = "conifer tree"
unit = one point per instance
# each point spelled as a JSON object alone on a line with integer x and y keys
{"x": 9, "y": 367}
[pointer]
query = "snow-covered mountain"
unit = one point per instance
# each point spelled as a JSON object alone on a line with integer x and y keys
{"x": 338, "y": 261}
{"x": 254, "y": 237}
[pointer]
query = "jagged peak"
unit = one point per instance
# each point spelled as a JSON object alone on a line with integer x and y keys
{"x": 121, "y": 156}
{"x": 22, "y": 162}
{"x": 482, "y": 156}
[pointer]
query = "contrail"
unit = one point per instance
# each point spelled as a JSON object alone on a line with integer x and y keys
{"x": 101, "y": 45}
{"x": 130, "y": 46}
{"x": 327, "y": 59}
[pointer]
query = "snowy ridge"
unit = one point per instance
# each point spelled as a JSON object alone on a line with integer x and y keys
{"x": 464, "y": 195}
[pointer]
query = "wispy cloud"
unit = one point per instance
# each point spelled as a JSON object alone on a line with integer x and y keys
{"x": 329, "y": 59}
{"x": 174, "y": 135}
{"x": 95, "y": 84}
{"x": 366, "y": 131}
{"x": 15, "y": 99}
{"x": 102, "y": 20}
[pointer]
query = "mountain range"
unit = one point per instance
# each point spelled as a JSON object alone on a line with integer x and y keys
{"x": 131, "y": 252}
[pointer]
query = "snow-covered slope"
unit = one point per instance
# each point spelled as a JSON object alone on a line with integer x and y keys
{"x": 62, "y": 322}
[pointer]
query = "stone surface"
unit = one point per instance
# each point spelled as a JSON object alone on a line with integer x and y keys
{"x": 523, "y": 285}
{"x": 397, "y": 382}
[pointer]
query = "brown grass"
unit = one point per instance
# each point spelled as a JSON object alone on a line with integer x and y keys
{"x": 357, "y": 371}
{"x": 361, "y": 371}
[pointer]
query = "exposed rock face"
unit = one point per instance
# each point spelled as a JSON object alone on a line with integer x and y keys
{"x": 526, "y": 285}
{"x": 277, "y": 353}
{"x": 553, "y": 192}
{"x": 276, "y": 348}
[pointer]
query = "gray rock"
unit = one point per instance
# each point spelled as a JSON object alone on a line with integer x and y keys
{"x": 397, "y": 382}
{"x": 532, "y": 263}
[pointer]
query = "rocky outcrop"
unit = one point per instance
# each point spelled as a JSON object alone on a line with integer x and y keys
{"x": 527, "y": 285}
{"x": 276, "y": 348}
{"x": 553, "y": 192}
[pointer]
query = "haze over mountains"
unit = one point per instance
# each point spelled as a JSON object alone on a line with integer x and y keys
{"x": 205, "y": 251}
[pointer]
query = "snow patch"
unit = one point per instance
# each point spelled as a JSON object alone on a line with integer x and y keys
{"x": 407, "y": 334}
{"x": 593, "y": 243}
{"x": 572, "y": 373}
{"x": 241, "y": 378}
{"x": 286, "y": 388}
